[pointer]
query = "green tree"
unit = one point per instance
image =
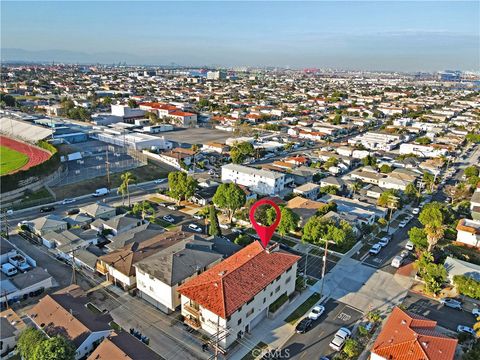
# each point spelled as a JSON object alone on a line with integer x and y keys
{"x": 132, "y": 103}
{"x": 351, "y": 348}
{"x": 411, "y": 192}
{"x": 418, "y": 237}
{"x": 428, "y": 180}
{"x": 386, "y": 169}
{"x": 214, "y": 227}
{"x": 8, "y": 100}
{"x": 288, "y": 221}
{"x": 28, "y": 341}
{"x": 389, "y": 199}
{"x": 107, "y": 100}
{"x": 468, "y": 286}
{"x": 241, "y": 151}
{"x": 471, "y": 171}
{"x": 432, "y": 218}
{"x": 369, "y": 160}
{"x": 55, "y": 348}
{"x": 153, "y": 117}
{"x": 356, "y": 186}
{"x": 330, "y": 206}
{"x": 423, "y": 141}
{"x": 434, "y": 275}
{"x": 181, "y": 186}
{"x": 330, "y": 162}
{"x": 144, "y": 209}
{"x": 243, "y": 240}
{"x": 124, "y": 188}
{"x": 229, "y": 197}
{"x": 329, "y": 189}
{"x": 473, "y": 138}
{"x": 318, "y": 230}
{"x": 474, "y": 352}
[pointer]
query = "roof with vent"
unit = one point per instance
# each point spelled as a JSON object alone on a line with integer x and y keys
{"x": 407, "y": 336}
{"x": 225, "y": 287}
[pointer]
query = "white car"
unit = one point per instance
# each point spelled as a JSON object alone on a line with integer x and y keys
{"x": 23, "y": 222}
{"x": 198, "y": 216}
{"x": 160, "y": 181}
{"x": 225, "y": 226}
{"x": 397, "y": 261}
{"x": 172, "y": 207}
{"x": 384, "y": 241}
{"x": 9, "y": 212}
{"x": 341, "y": 336}
{"x": 195, "y": 227}
{"x": 466, "y": 329}
{"x": 316, "y": 312}
{"x": 168, "y": 218}
{"x": 476, "y": 312}
{"x": 409, "y": 246}
{"x": 403, "y": 224}
{"x": 68, "y": 201}
{"x": 375, "y": 249}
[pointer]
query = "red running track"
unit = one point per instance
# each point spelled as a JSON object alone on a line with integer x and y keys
{"x": 35, "y": 155}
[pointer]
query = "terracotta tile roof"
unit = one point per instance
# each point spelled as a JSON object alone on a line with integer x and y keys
{"x": 224, "y": 288}
{"x": 407, "y": 336}
{"x": 463, "y": 226}
{"x": 180, "y": 113}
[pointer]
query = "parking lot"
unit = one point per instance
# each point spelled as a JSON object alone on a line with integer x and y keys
{"x": 315, "y": 342}
{"x": 446, "y": 317}
{"x": 196, "y": 136}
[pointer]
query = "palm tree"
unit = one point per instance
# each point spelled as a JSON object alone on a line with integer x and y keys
{"x": 356, "y": 186}
{"x": 144, "y": 208}
{"x": 124, "y": 188}
{"x": 435, "y": 232}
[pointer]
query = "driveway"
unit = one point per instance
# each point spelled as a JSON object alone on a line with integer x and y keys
{"x": 315, "y": 342}
{"x": 446, "y": 317}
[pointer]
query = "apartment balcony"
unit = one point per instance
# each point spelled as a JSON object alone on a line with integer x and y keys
{"x": 193, "y": 323}
{"x": 192, "y": 311}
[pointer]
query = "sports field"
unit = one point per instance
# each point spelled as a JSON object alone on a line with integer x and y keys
{"x": 11, "y": 160}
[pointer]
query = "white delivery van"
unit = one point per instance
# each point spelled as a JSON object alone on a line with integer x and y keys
{"x": 397, "y": 261}
{"x": 101, "y": 192}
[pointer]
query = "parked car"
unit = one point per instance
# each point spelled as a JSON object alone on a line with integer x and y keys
{"x": 163, "y": 204}
{"x": 23, "y": 222}
{"x": 397, "y": 261}
{"x": 405, "y": 254}
{"x": 316, "y": 312}
{"x": 172, "y": 207}
{"x": 46, "y": 209}
{"x": 73, "y": 211}
{"x": 160, "y": 181}
{"x": 403, "y": 223}
{"x": 452, "y": 303}
{"x": 198, "y": 216}
{"x": 342, "y": 335}
{"x": 476, "y": 312}
{"x": 225, "y": 226}
{"x": 303, "y": 326}
{"x": 9, "y": 212}
{"x": 466, "y": 330}
{"x": 169, "y": 218}
{"x": 195, "y": 227}
{"x": 375, "y": 249}
{"x": 8, "y": 269}
{"x": 415, "y": 211}
{"x": 68, "y": 201}
{"x": 384, "y": 241}
{"x": 409, "y": 246}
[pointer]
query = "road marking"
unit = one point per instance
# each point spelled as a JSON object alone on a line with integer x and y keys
{"x": 344, "y": 317}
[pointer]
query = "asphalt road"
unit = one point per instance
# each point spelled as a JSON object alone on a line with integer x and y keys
{"x": 315, "y": 343}
{"x": 446, "y": 317}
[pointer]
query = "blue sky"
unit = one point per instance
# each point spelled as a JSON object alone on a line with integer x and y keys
{"x": 383, "y": 35}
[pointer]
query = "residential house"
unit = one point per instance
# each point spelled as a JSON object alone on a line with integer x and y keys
{"x": 236, "y": 293}
{"x": 11, "y": 325}
{"x": 410, "y": 336}
{"x": 365, "y": 212}
{"x": 65, "y": 313}
{"x": 118, "y": 266}
{"x": 304, "y": 208}
{"x": 204, "y": 196}
{"x": 44, "y": 224}
{"x": 468, "y": 232}
{"x": 333, "y": 181}
{"x": 67, "y": 241}
{"x": 216, "y": 147}
{"x": 137, "y": 234}
{"x": 460, "y": 267}
{"x": 308, "y": 191}
{"x": 159, "y": 275}
{"x": 429, "y": 151}
{"x": 122, "y": 345}
{"x": 117, "y": 224}
{"x": 475, "y": 204}
{"x": 99, "y": 210}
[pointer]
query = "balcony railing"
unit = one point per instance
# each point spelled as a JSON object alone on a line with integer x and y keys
{"x": 193, "y": 323}
{"x": 192, "y": 310}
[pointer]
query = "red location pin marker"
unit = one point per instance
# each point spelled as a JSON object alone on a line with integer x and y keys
{"x": 265, "y": 232}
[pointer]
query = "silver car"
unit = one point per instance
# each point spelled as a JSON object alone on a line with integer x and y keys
{"x": 342, "y": 335}
{"x": 452, "y": 303}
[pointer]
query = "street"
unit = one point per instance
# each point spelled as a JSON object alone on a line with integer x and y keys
{"x": 315, "y": 342}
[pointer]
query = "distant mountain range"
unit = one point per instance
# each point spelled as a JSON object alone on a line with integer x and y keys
{"x": 66, "y": 56}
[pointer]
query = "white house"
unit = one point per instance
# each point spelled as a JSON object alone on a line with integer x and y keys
{"x": 423, "y": 150}
{"x": 234, "y": 296}
{"x": 308, "y": 190}
{"x": 261, "y": 181}
{"x": 468, "y": 232}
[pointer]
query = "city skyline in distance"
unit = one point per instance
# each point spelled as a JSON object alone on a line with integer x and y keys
{"x": 397, "y": 36}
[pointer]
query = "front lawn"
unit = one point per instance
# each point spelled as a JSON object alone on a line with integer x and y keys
{"x": 302, "y": 309}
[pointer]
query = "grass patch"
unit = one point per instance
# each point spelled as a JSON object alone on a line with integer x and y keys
{"x": 157, "y": 200}
{"x": 115, "y": 326}
{"x": 145, "y": 173}
{"x": 311, "y": 281}
{"x": 11, "y": 160}
{"x": 93, "y": 308}
{"x": 302, "y": 309}
{"x": 260, "y": 346}
{"x": 277, "y": 303}
{"x": 164, "y": 223}
{"x": 39, "y": 197}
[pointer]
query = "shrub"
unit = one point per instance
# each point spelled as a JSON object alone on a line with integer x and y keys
{"x": 467, "y": 286}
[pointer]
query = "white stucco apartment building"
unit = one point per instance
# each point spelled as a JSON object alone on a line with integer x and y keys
{"x": 236, "y": 293}
{"x": 264, "y": 182}
{"x": 423, "y": 150}
{"x": 468, "y": 232}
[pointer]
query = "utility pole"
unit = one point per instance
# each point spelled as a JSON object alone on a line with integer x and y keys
{"x": 217, "y": 337}
{"x": 324, "y": 267}
{"x": 107, "y": 167}
{"x": 5, "y": 223}
{"x": 74, "y": 275}
{"x": 306, "y": 260}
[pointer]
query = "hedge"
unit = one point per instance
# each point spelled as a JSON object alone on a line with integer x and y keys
{"x": 11, "y": 181}
{"x": 467, "y": 286}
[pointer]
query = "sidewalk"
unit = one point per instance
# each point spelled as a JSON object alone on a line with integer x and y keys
{"x": 274, "y": 332}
